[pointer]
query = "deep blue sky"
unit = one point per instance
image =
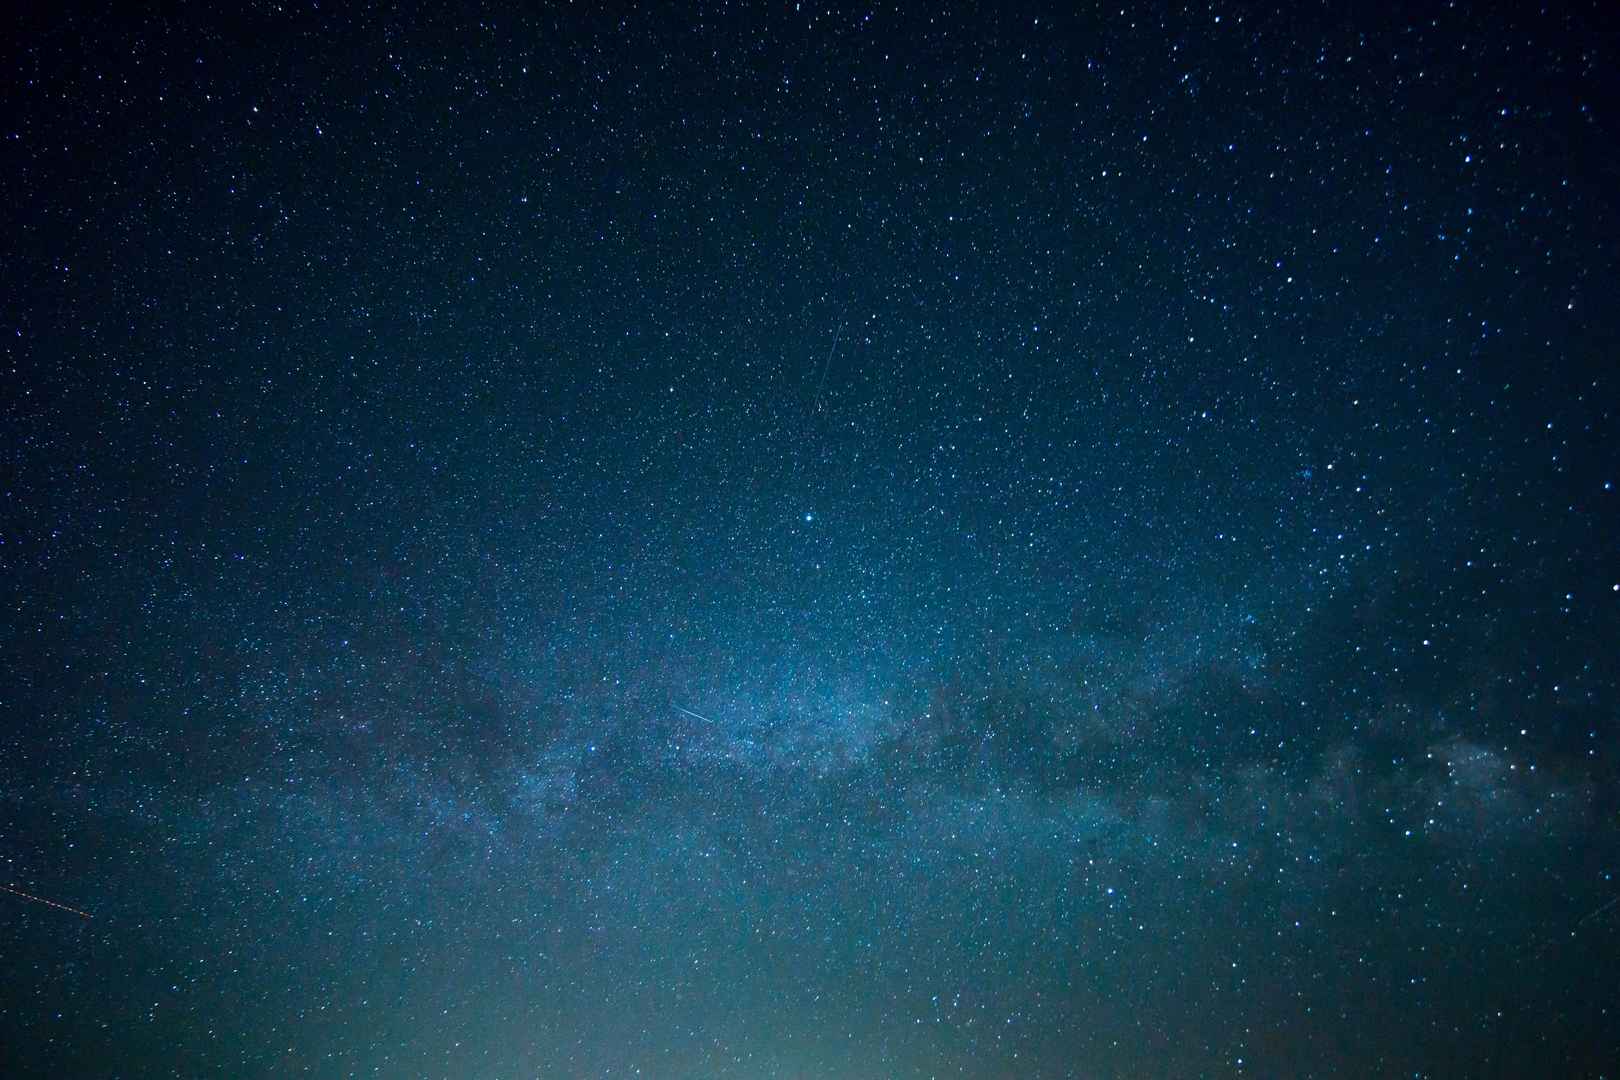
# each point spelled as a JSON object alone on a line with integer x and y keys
{"x": 787, "y": 541}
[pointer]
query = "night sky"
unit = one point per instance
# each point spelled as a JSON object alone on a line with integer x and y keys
{"x": 810, "y": 542}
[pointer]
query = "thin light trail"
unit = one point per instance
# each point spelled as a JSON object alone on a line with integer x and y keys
{"x": 1573, "y": 930}
{"x": 47, "y": 903}
{"x": 822, "y": 382}
{"x": 692, "y": 714}
{"x": 1613, "y": 900}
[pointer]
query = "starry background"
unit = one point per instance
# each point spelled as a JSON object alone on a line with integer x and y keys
{"x": 802, "y": 541}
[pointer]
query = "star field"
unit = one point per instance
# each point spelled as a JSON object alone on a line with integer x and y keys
{"x": 786, "y": 541}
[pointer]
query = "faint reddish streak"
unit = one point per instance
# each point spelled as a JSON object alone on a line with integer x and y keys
{"x": 47, "y": 903}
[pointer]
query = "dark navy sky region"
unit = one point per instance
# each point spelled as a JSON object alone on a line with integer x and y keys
{"x": 799, "y": 541}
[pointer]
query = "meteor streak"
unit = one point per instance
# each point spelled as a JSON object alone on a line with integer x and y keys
{"x": 692, "y": 714}
{"x": 47, "y": 903}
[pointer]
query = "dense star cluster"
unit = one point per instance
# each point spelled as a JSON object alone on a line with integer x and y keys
{"x": 787, "y": 541}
